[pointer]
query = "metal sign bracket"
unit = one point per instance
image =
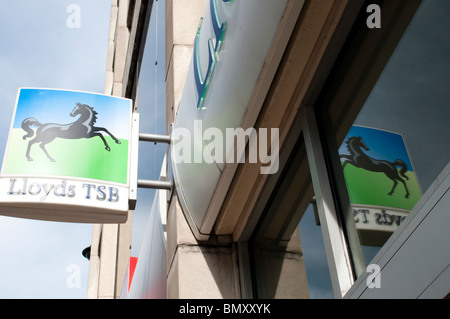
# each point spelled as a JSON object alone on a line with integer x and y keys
{"x": 134, "y": 181}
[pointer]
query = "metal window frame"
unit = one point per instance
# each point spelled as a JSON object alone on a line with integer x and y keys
{"x": 339, "y": 262}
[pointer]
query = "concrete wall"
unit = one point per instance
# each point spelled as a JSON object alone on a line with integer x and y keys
{"x": 182, "y": 21}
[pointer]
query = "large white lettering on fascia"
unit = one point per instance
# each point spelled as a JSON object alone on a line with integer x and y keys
{"x": 208, "y": 146}
{"x": 219, "y": 28}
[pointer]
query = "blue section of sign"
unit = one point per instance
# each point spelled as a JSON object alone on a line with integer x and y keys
{"x": 382, "y": 144}
{"x": 54, "y": 106}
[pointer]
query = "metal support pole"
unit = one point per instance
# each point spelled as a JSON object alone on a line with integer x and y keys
{"x": 332, "y": 230}
{"x": 144, "y": 137}
{"x": 155, "y": 184}
{"x": 155, "y": 138}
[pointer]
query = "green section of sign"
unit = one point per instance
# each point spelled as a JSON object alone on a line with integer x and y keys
{"x": 372, "y": 188}
{"x": 82, "y": 158}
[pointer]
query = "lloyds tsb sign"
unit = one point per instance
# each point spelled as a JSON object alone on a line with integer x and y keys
{"x": 67, "y": 157}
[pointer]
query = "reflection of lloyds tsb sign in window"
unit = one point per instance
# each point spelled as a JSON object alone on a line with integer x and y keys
{"x": 67, "y": 157}
{"x": 381, "y": 181}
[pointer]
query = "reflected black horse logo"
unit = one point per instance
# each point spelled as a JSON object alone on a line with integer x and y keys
{"x": 359, "y": 159}
{"x": 83, "y": 127}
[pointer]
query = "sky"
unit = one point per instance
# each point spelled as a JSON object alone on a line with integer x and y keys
{"x": 42, "y": 47}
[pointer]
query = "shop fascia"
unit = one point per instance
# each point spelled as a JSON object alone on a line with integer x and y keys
{"x": 219, "y": 32}
{"x": 213, "y": 151}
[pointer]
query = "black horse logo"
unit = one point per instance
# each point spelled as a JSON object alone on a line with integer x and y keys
{"x": 359, "y": 159}
{"x": 83, "y": 127}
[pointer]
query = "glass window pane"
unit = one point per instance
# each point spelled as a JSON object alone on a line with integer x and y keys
{"x": 316, "y": 265}
{"x": 399, "y": 143}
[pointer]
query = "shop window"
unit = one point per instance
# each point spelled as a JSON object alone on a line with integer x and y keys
{"x": 397, "y": 145}
{"x": 373, "y": 143}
